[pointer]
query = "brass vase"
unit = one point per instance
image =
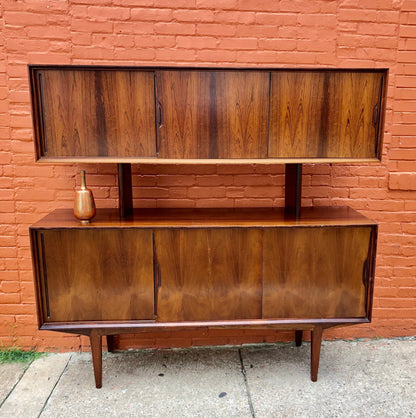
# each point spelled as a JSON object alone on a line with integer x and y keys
{"x": 84, "y": 206}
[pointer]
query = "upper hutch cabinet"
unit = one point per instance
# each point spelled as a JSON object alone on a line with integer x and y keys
{"x": 212, "y": 114}
{"x": 118, "y": 114}
{"x": 94, "y": 113}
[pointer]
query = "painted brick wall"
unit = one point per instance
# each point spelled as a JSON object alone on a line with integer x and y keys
{"x": 304, "y": 33}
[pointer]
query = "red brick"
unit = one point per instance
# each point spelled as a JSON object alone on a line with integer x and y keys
{"x": 319, "y": 20}
{"x": 193, "y": 16}
{"x": 279, "y": 19}
{"x": 233, "y": 192}
{"x": 24, "y": 19}
{"x": 175, "y": 54}
{"x": 402, "y": 181}
{"x": 257, "y": 56}
{"x": 357, "y": 15}
{"x": 254, "y": 202}
{"x": 199, "y": 42}
{"x": 259, "y": 6}
{"x": 137, "y": 54}
{"x": 278, "y": 44}
{"x": 214, "y": 203}
{"x": 92, "y": 52}
{"x": 409, "y": 5}
{"x": 214, "y": 29}
{"x": 235, "y": 17}
{"x": 186, "y": 4}
{"x": 238, "y": 43}
{"x": 125, "y": 3}
{"x": 158, "y": 15}
{"x": 215, "y": 180}
{"x": 216, "y": 55}
{"x": 217, "y": 4}
{"x": 175, "y": 180}
{"x": 81, "y": 25}
{"x": 403, "y": 154}
{"x": 260, "y": 191}
{"x": 175, "y": 28}
{"x": 103, "y": 14}
{"x": 206, "y": 192}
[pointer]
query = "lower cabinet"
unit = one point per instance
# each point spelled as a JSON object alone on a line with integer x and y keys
{"x": 252, "y": 269}
{"x": 202, "y": 274}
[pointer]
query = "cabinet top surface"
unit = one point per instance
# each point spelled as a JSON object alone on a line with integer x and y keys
{"x": 211, "y": 218}
{"x": 197, "y": 68}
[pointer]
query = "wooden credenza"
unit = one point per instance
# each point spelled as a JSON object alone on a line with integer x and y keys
{"x": 176, "y": 269}
{"x": 134, "y": 270}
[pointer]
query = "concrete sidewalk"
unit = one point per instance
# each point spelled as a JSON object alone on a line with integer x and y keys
{"x": 372, "y": 379}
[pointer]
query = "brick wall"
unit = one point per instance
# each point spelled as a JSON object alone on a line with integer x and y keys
{"x": 345, "y": 33}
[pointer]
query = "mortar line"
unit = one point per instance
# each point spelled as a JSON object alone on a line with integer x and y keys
{"x": 54, "y": 386}
{"x": 18, "y": 381}
{"x": 243, "y": 372}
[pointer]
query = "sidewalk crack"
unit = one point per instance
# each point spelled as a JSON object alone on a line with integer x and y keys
{"x": 18, "y": 380}
{"x": 56, "y": 384}
{"x": 243, "y": 372}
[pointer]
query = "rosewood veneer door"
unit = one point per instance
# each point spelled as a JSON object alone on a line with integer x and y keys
{"x": 316, "y": 272}
{"x": 209, "y": 274}
{"x": 96, "y": 274}
{"x": 212, "y": 114}
{"x": 325, "y": 114}
{"x": 97, "y": 113}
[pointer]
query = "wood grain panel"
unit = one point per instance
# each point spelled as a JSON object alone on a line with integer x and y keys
{"x": 325, "y": 114}
{"x": 209, "y": 274}
{"x": 296, "y": 102}
{"x": 98, "y": 275}
{"x": 213, "y": 114}
{"x": 87, "y": 113}
{"x": 353, "y": 114}
{"x": 315, "y": 272}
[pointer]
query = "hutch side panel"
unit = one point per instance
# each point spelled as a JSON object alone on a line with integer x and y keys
{"x": 96, "y": 274}
{"x": 212, "y": 114}
{"x": 325, "y": 114}
{"x": 209, "y": 274}
{"x": 317, "y": 272}
{"x": 91, "y": 113}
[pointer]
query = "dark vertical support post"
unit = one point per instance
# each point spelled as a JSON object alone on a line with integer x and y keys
{"x": 111, "y": 345}
{"x": 125, "y": 190}
{"x": 298, "y": 337}
{"x": 293, "y": 189}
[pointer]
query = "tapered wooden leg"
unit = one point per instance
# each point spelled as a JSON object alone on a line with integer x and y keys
{"x": 110, "y": 343}
{"x": 97, "y": 356}
{"x": 298, "y": 338}
{"x": 316, "y": 335}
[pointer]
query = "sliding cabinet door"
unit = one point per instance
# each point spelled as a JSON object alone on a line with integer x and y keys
{"x": 317, "y": 272}
{"x": 212, "y": 114}
{"x": 208, "y": 274}
{"x": 96, "y": 274}
{"x": 325, "y": 114}
{"x": 95, "y": 113}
